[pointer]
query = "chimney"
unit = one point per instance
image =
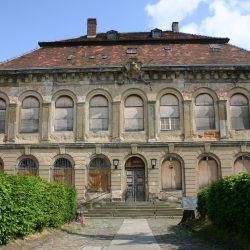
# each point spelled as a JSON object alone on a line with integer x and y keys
{"x": 175, "y": 27}
{"x": 91, "y": 28}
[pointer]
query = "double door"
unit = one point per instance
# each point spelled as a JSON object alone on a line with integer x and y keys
{"x": 135, "y": 189}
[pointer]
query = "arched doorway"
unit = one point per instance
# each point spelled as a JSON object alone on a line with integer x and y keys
{"x": 208, "y": 171}
{"x": 135, "y": 180}
{"x": 171, "y": 174}
{"x": 242, "y": 164}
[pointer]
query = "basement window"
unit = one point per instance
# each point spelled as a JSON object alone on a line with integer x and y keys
{"x": 132, "y": 51}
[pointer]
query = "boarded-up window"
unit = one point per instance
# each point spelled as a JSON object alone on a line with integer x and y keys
{"x": 63, "y": 172}
{"x": 204, "y": 112}
{"x": 171, "y": 174}
{"x": 30, "y": 115}
{"x": 98, "y": 113}
{"x": 64, "y": 114}
{"x": 133, "y": 114}
{"x": 1, "y": 166}
{"x": 28, "y": 166}
{"x": 208, "y": 171}
{"x": 2, "y": 115}
{"x": 169, "y": 113}
{"x": 242, "y": 164}
{"x": 99, "y": 175}
{"x": 239, "y": 110}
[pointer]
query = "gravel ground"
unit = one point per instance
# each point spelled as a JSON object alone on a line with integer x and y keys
{"x": 171, "y": 236}
{"x": 100, "y": 232}
{"x": 95, "y": 232}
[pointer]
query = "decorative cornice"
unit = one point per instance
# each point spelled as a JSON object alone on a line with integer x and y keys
{"x": 127, "y": 74}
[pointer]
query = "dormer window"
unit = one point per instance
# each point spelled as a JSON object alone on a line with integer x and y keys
{"x": 131, "y": 50}
{"x": 112, "y": 35}
{"x": 156, "y": 33}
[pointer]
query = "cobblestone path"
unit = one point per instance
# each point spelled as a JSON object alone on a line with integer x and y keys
{"x": 97, "y": 234}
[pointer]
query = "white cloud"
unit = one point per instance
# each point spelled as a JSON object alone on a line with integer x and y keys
{"x": 227, "y": 18}
{"x": 164, "y": 12}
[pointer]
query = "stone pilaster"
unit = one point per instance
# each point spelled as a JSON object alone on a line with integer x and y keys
{"x": 80, "y": 124}
{"x": 223, "y": 119}
{"x": 187, "y": 121}
{"x": 12, "y": 122}
{"x": 151, "y": 121}
{"x": 116, "y": 121}
{"x": 46, "y": 110}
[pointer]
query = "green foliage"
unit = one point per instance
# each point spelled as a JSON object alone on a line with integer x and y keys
{"x": 228, "y": 203}
{"x": 29, "y": 204}
{"x": 202, "y": 202}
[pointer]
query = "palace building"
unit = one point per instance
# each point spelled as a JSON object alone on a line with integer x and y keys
{"x": 136, "y": 116}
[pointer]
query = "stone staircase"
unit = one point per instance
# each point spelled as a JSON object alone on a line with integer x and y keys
{"x": 133, "y": 210}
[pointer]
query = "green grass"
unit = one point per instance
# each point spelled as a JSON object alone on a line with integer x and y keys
{"x": 205, "y": 230}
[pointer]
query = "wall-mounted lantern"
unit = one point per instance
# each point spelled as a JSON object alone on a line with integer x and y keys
{"x": 116, "y": 163}
{"x": 153, "y": 163}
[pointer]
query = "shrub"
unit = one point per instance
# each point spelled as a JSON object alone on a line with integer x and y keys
{"x": 29, "y": 204}
{"x": 202, "y": 202}
{"x": 228, "y": 203}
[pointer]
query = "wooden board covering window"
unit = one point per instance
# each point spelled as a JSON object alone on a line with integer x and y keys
{"x": 208, "y": 172}
{"x": 98, "y": 180}
{"x": 241, "y": 166}
{"x": 171, "y": 175}
{"x": 63, "y": 175}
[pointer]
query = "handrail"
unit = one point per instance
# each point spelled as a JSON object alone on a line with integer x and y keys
{"x": 91, "y": 200}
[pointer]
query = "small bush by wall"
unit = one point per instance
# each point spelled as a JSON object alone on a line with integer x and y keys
{"x": 29, "y": 204}
{"x": 227, "y": 203}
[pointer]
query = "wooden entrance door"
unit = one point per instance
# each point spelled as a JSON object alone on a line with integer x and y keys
{"x": 135, "y": 190}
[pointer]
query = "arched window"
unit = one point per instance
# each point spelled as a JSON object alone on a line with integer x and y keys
{"x": 204, "y": 111}
{"x": 134, "y": 114}
{"x": 171, "y": 174}
{"x": 239, "y": 109}
{"x": 99, "y": 175}
{"x": 1, "y": 166}
{"x": 30, "y": 115}
{"x": 169, "y": 113}
{"x": 2, "y": 115}
{"x": 242, "y": 164}
{"x": 64, "y": 114}
{"x": 208, "y": 171}
{"x": 63, "y": 172}
{"x": 98, "y": 113}
{"x": 28, "y": 166}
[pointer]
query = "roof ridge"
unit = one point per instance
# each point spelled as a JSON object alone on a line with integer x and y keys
{"x": 19, "y": 56}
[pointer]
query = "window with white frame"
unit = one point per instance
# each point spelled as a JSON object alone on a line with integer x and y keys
{"x": 30, "y": 115}
{"x": 239, "y": 110}
{"x": 2, "y": 115}
{"x": 98, "y": 113}
{"x": 169, "y": 112}
{"x": 204, "y": 112}
{"x": 134, "y": 114}
{"x": 64, "y": 114}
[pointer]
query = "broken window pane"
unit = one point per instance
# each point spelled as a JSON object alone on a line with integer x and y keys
{"x": 134, "y": 114}
{"x": 98, "y": 113}
{"x": 2, "y": 115}
{"x": 169, "y": 113}
{"x": 239, "y": 110}
{"x": 29, "y": 122}
{"x": 204, "y": 112}
{"x": 64, "y": 114}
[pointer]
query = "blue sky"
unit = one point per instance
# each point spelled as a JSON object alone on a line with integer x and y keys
{"x": 25, "y": 22}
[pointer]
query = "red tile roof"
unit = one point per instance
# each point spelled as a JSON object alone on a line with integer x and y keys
{"x": 171, "y": 49}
